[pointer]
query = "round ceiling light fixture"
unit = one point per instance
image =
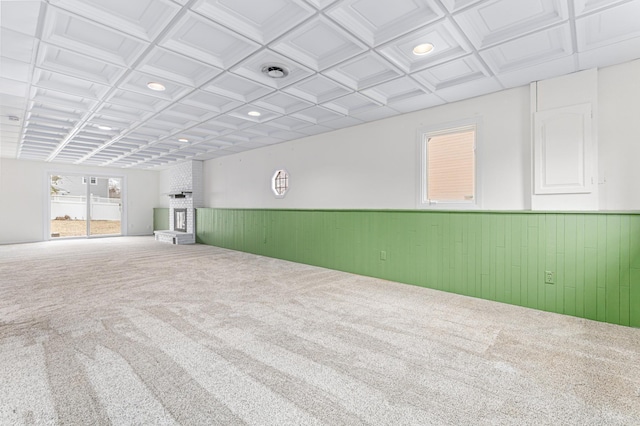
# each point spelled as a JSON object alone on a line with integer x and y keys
{"x": 102, "y": 127}
{"x": 183, "y": 140}
{"x": 254, "y": 113}
{"x": 423, "y": 49}
{"x": 158, "y": 87}
{"x": 275, "y": 70}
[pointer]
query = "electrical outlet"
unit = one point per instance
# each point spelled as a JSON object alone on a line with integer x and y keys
{"x": 549, "y": 277}
{"x": 383, "y": 255}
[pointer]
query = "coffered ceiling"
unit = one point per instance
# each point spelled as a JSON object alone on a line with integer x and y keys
{"x": 74, "y": 73}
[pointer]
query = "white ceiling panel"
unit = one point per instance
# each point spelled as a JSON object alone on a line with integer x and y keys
{"x": 214, "y": 129}
{"x": 175, "y": 67}
{"x": 319, "y": 44}
{"x": 16, "y": 45}
{"x": 498, "y": 21}
{"x": 190, "y": 112}
{"x": 137, "y": 100}
{"x": 91, "y": 39}
{"x": 374, "y": 114}
{"x": 317, "y": 115}
{"x": 252, "y": 145}
{"x": 13, "y": 87}
{"x": 15, "y": 70}
{"x": 612, "y": 54}
{"x": 415, "y": 103}
{"x": 610, "y": 26}
{"x": 55, "y": 112}
{"x": 53, "y": 98}
{"x": 542, "y": 71}
{"x": 363, "y": 71}
{"x": 530, "y": 50}
{"x": 342, "y": 122}
{"x": 63, "y": 61}
{"x": 211, "y": 101}
{"x": 165, "y": 126}
{"x": 377, "y": 22}
{"x": 240, "y": 136}
{"x": 144, "y": 19}
{"x": 470, "y": 89}
{"x": 69, "y": 66}
{"x": 314, "y": 130}
{"x": 231, "y": 122}
{"x": 456, "y": 5}
{"x": 21, "y": 16}
{"x": 396, "y": 90}
{"x": 154, "y": 129}
{"x": 351, "y": 104}
{"x": 321, "y": 4}
{"x": 238, "y": 88}
{"x": 207, "y": 41}
{"x": 282, "y": 103}
{"x": 584, "y": 7}
{"x": 124, "y": 113}
{"x": 317, "y": 89}
{"x": 448, "y": 44}
{"x": 260, "y": 20}
{"x": 65, "y": 84}
{"x": 285, "y": 123}
{"x": 458, "y": 71}
{"x": 12, "y": 106}
{"x": 286, "y": 135}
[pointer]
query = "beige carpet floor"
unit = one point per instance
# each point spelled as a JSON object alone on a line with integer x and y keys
{"x": 129, "y": 331}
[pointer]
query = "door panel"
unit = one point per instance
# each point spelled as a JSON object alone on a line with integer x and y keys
{"x": 105, "y": 206}
{"x": 68, "y": 198}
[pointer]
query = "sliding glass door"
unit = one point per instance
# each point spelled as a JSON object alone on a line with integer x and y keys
{"x": 82, "y": 206}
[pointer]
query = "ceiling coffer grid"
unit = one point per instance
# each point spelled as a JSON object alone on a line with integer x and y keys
{"x": 75, "y": 72}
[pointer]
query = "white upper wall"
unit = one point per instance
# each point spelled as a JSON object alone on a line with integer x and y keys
{"x": 375, "y": 165}
{"x": 619, "y": 136}
{"x": 24, "y": 195}
{"x": 164, "y": 183}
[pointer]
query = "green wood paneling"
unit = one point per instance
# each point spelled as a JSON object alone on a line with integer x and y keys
{"x": 160, "y": 219}
{"x": 498, "y": 256}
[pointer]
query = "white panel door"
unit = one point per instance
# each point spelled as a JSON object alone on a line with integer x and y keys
{"x": 563, "y": 150}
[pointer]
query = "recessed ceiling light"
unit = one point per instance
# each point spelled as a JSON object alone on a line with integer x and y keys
{"x": 183, "y": 140}
{"x": 158, "y": 87}
{"x": 423, "y": 49}
{"x": 254, "y": 113}
{"x": 101, "y": 127}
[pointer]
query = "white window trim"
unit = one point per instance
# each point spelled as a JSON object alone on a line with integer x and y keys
{"x": 273, "y": 183}
{"x": 422, "y": 136}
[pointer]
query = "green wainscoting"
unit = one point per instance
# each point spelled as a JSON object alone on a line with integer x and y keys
{"x": 501, "y": 256}
{"x": 160, "y": 219}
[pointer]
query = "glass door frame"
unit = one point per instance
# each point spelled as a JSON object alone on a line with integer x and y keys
{"x": 88, "y": 176}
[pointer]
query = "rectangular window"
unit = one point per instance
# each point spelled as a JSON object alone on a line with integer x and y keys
{"x": 448, "y": 176}
{"x": 92, "y": 179}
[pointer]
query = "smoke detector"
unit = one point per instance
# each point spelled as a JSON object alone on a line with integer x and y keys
{"x": 275, "y": 71}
